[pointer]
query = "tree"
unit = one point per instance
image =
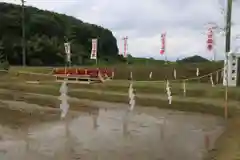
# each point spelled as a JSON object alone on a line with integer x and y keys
{"x": 3, "y": 58}
{"x": 45, "y": 32}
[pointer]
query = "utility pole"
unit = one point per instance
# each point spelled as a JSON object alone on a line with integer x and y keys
{"x": 23, "y": 34}
{"x": 228, "y": 26}
{"x": 227, "y": 50}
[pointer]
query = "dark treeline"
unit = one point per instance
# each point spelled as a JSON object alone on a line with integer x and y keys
{"x": 46, "y": 33}
{"x": 193, "y": 59}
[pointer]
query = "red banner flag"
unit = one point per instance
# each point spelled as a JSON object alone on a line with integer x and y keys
{"x": 210, "y": 39}
{"x": 125, "y": 39}
{"x": 163, "y": 43}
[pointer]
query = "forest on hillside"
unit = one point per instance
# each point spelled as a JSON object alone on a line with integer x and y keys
{"x": 46, "y": 33}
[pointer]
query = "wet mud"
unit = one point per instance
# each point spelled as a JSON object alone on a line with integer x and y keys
{"x": 108, "y": 132}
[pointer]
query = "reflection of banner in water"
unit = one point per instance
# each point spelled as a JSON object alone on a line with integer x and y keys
{"x": 95, "y": 114}
{"x": 68, "y": 144}
{"x": 125, "y": 123}
{"x": 207, "y": 142}
{"x": 162, "y": 128}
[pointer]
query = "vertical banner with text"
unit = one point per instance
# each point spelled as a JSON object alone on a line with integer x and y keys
{"x": 68, "y": 51}
{"x": 125, "y": 41}
{"x": 163, "y": 43}
{"x": 94, "y": 49}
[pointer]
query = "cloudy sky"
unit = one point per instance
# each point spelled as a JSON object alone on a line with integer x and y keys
{"x": 143, "y": 21}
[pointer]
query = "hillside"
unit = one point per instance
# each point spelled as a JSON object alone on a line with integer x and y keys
{"x": 45, "y": 32}
{"x": 193, "y": 59}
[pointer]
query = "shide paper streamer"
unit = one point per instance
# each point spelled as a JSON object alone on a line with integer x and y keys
{"x": 169, "y": 94}
{"x": 131, "y": 97}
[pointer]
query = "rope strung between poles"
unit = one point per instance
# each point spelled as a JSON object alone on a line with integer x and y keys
{"x": 131, "y": 75}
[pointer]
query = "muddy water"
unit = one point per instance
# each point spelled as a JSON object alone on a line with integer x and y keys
{"x": 108, "y": 133}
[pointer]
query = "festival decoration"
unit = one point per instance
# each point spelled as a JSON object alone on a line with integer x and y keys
{"x": 131, "y": 95}
{"x": 125, "y": 41}
{"x": 175, "y": 74}
{"x": 169, "y": 94}
{"x": 150, "y": 75}
{"x": 131, "y": 75}
{"x": 94, "y": 49}
{"x": 210, "y": 40}
{"x": 184, "y": 88}
{"x": 113, "y": 74}
{"x": 163, "y": 43}
{"x": 217, "y": 77}
{"x": 197, "y": 72}
{"x": 211, "y": 79}
{"x": 68, "y": 51}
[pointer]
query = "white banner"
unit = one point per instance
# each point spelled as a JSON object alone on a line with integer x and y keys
{"x": 125, "y": 49}
{"x": 236, "y": 44}
{"x": 68, "y": 51}
{"x": 94, "y": 49}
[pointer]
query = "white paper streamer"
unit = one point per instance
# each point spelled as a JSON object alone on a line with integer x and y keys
{"x": 113, "y": 74}
{"x": 211, "y": 79}
{"x": 184, "y": 88}
{"x": 175, "y": 73}
{"x": 197, "y": 72}
{"x": 169, "y": 94}
{"x": 217, "y": 77}
{"x": 131, "y": 75}
{"x": 64, "y": 106}
{"x": 131, "y": 95}
{"x": 150, "y": 75}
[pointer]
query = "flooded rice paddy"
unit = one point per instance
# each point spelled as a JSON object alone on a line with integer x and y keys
{"x": 109, "y": 132}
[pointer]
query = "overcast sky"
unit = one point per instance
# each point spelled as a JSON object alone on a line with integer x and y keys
{"x": 143, "y": 21}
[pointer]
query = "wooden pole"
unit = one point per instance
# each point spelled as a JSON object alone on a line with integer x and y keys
{"x": 227, "y": 50}
{"x": 23, "y": 35}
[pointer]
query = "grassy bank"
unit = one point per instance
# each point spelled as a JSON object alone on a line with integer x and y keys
{"x": 199, "y": 97}
{"x": 141, "y": 72}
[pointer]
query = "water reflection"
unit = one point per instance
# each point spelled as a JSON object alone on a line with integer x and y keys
{"x": 126, "y": 117}
{"x": 152, "y": 134}
{"x": 95, "y": 114}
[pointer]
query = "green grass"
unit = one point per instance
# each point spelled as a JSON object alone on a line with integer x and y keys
{"x": 141, "y": 72}
{"x": 193, "y": 90}
{"x": 44, "y": 70}
{"x": 202, "y": 104}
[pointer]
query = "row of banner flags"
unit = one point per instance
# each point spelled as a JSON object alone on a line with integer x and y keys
{"x": 94, "y": 50}
{"x": 209, "y": 42}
